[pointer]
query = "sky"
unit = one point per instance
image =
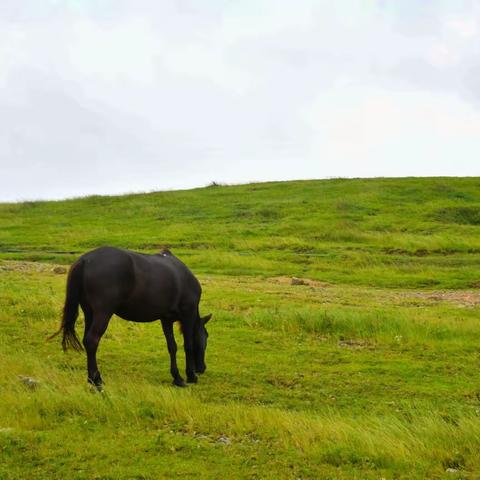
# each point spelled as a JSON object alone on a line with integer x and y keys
{"x": 115, "y": 96}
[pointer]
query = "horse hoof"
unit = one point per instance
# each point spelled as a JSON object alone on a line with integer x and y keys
{"x": 180, "y": 382}
{"x": 193, "y": 379}
{"x": 96, "y": 383}
{"x": 96, "y": 388}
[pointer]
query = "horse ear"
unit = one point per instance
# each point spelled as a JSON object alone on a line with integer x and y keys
{"x": 206, "y": 318}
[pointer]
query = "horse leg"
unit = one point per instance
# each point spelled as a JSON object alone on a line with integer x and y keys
{"x": 88, "y": 315}
{"x": 172, "y": 350}
{"x": 97, "y": 328}
{"x": 187, "y": 328}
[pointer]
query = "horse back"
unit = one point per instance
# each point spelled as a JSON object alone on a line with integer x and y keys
{"x": 138, "y": 287}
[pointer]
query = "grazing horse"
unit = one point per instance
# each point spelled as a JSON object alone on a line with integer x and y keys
{"x": 138, "y": 288}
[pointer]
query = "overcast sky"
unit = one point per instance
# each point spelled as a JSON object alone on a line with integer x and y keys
{"x": 113, "y": 96}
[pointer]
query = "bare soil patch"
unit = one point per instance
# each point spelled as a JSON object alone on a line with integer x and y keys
{"x": 20, "y": 266}
{"x": 306, "y": 281}
{"x": 466, "y": 298}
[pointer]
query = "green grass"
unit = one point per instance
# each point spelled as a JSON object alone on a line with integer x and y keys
{"x": 370, "y": 371}
{"x": 405, "y": 233}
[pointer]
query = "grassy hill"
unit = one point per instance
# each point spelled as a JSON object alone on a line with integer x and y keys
{"x": 386, "y": 232}
{"x": 369, "y": 370}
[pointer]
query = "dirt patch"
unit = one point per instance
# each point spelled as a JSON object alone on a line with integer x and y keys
{"x": 355, "y": 344}
{"x": 466, "y": 298}
{"x": 306, "y": 281}
{"x": 19, "y": 266}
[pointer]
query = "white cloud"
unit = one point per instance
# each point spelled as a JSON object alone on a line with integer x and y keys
{"x": 123, "y": 52}
{"x": 112, "y": 96}
{"x": 378, "y": 132}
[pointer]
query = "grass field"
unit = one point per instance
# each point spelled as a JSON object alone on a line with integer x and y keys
{"x": 370, "y": 370}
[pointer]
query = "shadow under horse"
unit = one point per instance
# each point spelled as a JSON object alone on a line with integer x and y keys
{"x": 138, "y": 288}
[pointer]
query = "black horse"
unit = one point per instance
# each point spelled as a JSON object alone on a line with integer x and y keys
{"x": 139, "y": 288}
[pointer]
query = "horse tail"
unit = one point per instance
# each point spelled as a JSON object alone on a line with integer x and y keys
{"x": 70, "y": 309}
